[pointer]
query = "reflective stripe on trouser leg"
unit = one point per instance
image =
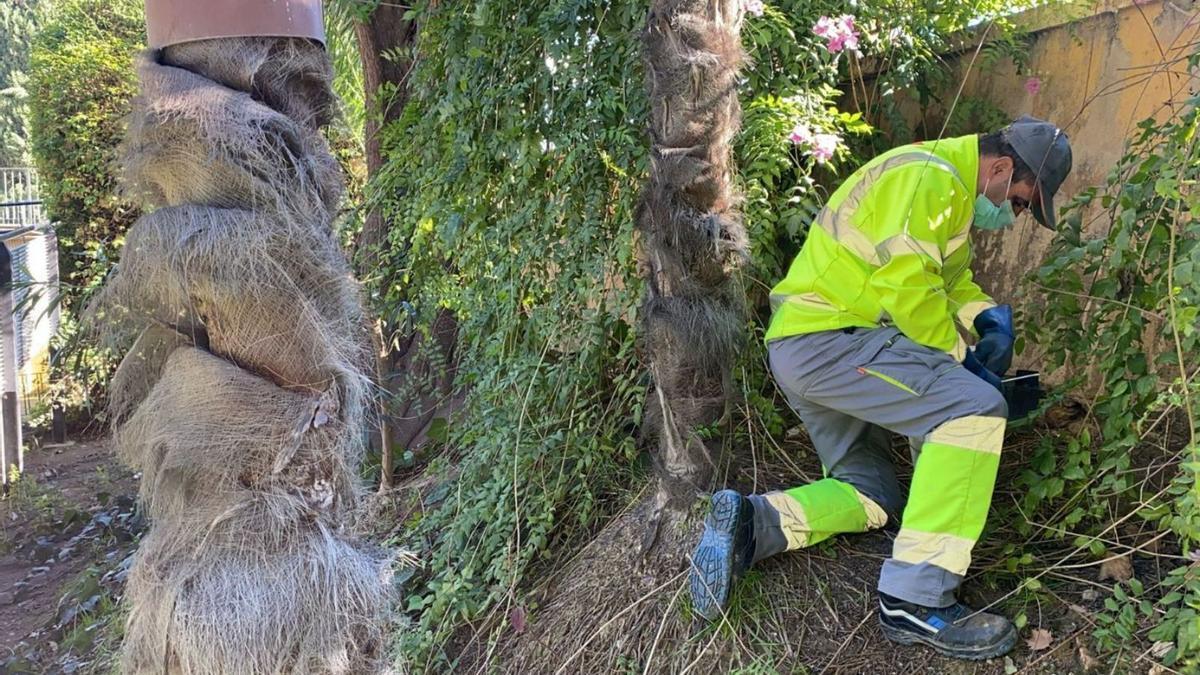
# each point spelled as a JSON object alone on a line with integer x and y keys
{"x": 808, "y": 514}
{"x": 947, "y": 509}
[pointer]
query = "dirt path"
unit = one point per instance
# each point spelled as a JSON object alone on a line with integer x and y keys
{"x": 73, "y": 510}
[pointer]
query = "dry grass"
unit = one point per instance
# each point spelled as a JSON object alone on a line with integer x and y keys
{"x": 610, "y": 609}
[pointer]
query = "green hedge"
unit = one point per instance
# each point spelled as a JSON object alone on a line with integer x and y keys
{"x": 81, "y": 83}
{"x": 18, "y": 21}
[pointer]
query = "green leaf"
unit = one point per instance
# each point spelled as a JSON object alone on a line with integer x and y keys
{"x": 439, "y": 430}
{"x": 1074, "y": 473}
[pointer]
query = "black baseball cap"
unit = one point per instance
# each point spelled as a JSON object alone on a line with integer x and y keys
{"x": 1044, "y": 148}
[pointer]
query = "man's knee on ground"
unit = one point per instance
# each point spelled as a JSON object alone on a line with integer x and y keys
{"x": 980, "y": 428}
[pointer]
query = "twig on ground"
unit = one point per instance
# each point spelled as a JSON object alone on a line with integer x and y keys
{"x": 845, "y": 642}
{"x": 649, "y": 594}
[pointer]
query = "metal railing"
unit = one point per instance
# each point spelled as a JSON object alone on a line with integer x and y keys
{"x": 28, "y": 307}
{"x": 20, "y": 198}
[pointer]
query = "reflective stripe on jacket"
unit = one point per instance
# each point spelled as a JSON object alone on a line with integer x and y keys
{"x": 891, "y": 246}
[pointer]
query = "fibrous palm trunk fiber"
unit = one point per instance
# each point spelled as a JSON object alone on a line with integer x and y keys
{"x": 693, "y": 241}
{"x": 242, "y": 399}
{"x": 613, "y": 602}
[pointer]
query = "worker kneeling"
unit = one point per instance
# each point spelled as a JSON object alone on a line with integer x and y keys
{"x": 864, "y": 341}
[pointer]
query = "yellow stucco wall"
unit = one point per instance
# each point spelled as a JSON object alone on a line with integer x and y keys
{"x": 1102, "y": 70}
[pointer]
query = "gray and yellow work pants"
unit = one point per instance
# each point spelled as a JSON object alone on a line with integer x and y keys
{"x": 851, "y": 388}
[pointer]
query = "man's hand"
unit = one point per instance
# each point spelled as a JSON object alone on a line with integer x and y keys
{"x": 973, "y": 364}
{"x": 995, "y": 347}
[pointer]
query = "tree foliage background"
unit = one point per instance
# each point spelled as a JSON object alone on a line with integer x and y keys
{"x": 510, "y": 181}
{"x": 81, "y": 83}
{"x": 18, "y": 23}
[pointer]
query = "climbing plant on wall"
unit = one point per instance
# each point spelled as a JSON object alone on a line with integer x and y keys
{"x": 1127, "y": 303}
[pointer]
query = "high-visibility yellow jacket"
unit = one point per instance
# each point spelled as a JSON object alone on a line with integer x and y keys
{"x": 892, "y": 246}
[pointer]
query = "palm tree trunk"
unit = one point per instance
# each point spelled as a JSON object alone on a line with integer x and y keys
{"x": 243, "y": 400}
{"x": 693, "y": 242}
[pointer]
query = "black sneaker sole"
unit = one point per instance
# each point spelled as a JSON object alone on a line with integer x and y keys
{"x": 712, "y": 562}
{"x": 983, "y": 653}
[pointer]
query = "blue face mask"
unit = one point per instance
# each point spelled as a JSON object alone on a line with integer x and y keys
{"x": 988, "y": 216}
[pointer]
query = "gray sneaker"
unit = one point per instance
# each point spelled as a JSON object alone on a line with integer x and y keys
{"x": 956, "y": 631}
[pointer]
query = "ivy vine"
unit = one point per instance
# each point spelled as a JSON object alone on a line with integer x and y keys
{"x": 1125, "y": 305}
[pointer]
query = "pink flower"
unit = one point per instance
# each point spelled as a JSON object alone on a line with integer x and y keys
{"x": 801, "y": 135}
{"x": 819, "y": 146}
{"x": 849, "y": 36}
{"x": 850, "y": 42}
{"x": 839, "y": 33}
{"x": 753, "y": 7}
{"x": 1033, "y": 85}
{"x": 824, "y": 27}
{"x": 823, "y": 147}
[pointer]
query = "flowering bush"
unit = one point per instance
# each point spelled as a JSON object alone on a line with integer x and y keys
{"x": 820, "y": 146}
{"x": 839, "y": 33}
